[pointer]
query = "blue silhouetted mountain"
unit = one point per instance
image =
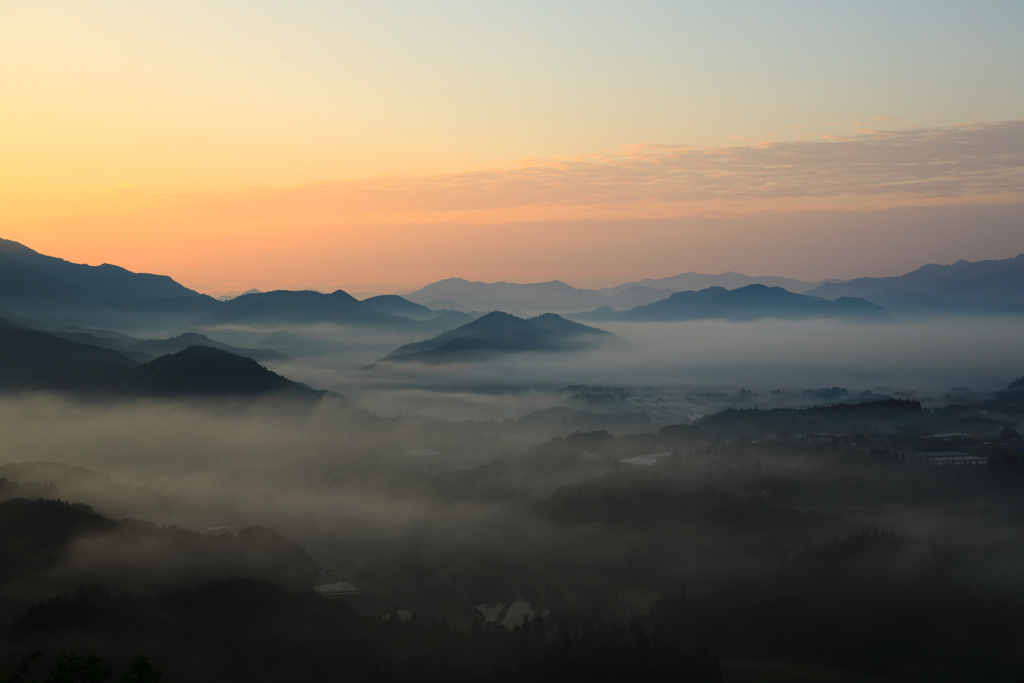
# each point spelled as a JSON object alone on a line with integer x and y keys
{"x": 162, "y": 347}
{"x": 497, "y": 333}
{"x": 728, "y": 280}
{"x": 746, "y": 303}
{"x": 205, "y": 371}
{"x": 392, "y": 304}
{"x": 35, "y": 360}
{"x": 297, "y": 308}
{"x": 509, "y": 296}
{"x": 558, "y": 296}
{"x": 908, "y": 302}
{"x": 977, "y": 286}
{"x": 35, "y": 275}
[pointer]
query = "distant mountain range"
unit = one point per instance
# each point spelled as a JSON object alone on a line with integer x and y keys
{"x": 965, "y": 286}
{"x": 728, "y": 280}
{"x": 33, "y": 360}
{"x": 141, "y": 350}
{"x": 61, "y": 294}
{"x": 29, "y": 275}
{"x": 498, "y": 333}
{"x": 558, "y": 297}
{"x": 746, "y": 303}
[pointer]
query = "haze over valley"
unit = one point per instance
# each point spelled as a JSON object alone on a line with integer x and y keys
{"x": 524, "y": 342}
{"x": 476, "y": 468}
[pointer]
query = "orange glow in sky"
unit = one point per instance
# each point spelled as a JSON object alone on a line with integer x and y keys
{"x": 336, "y": 144}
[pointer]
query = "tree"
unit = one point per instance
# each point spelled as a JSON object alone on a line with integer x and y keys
{"x": 141, "y": 670}
{"x": 74, "y": 668}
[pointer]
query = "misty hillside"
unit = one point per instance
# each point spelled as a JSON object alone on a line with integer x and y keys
{"x": 965, "y": 285}
{"x": 503, "y": 333}
{"x": 144, "y": 350}
{"x": 39, "y": 537}
{"x": 746, "y": 303}
{"x": 29, "y": 275}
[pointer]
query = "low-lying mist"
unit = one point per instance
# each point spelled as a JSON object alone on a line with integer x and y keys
{"x": 927, "y": 357}
{"x": 577, "y": 485}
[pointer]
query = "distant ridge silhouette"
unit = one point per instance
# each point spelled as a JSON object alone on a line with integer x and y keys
{"x": 746, "y": 303}
{"x": 979, "y": 286}
{"x": 32, "y": 360}
{"x": 497, "y": 333}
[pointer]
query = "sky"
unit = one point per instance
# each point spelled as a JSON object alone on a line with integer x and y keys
{"x": 382, "y": 146}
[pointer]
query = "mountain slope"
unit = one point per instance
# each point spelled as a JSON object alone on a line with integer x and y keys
{"x": 746, "y": 303}
{"x": 498, "y": 332}
{"x": 93, "y": 283}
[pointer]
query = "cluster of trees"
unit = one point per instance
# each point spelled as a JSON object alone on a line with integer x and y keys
{"x": 874, "y": 602}
{"x": 242, "y": 629}
{"x": 71, "y": 667}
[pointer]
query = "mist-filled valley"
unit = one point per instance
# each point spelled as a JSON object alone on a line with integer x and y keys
{"x": 745, "y": 484}
{"x": 492, "y": 342}
{"x": 765, "y": 499}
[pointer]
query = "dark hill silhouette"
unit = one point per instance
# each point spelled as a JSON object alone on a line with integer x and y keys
{"x": 91, "y": 283}
{"x": 35, "y": 536}
{"x": 21, "y": 283}
{"x": 728, "y": 280}
{"x": 31, "y": 359}
{"x": 556, "y": 296}
{"x": 746, "y": 303}
{"x": 205, "y": 371}
{"x": 905, "y": 301}
{"x": 507, "y": 296}
{"x": 305, "y": 307}
{"x": 36, "y": 360}
{"x": 499, "y": 332}
{"x": 162, "y": 347}
{"x": 970, "y": 286}
{"x": 448, "y": 320}
{"x": 392, "y": 304}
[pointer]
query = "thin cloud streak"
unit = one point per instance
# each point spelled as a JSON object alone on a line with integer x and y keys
{"x": 978, "y": 160}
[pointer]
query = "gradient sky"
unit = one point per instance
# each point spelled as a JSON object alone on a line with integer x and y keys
{"x": 380, "y": 146}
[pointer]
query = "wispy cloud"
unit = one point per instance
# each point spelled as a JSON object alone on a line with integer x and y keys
{"x": 981, "y": 160}
{"x": 885, "y": 118}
